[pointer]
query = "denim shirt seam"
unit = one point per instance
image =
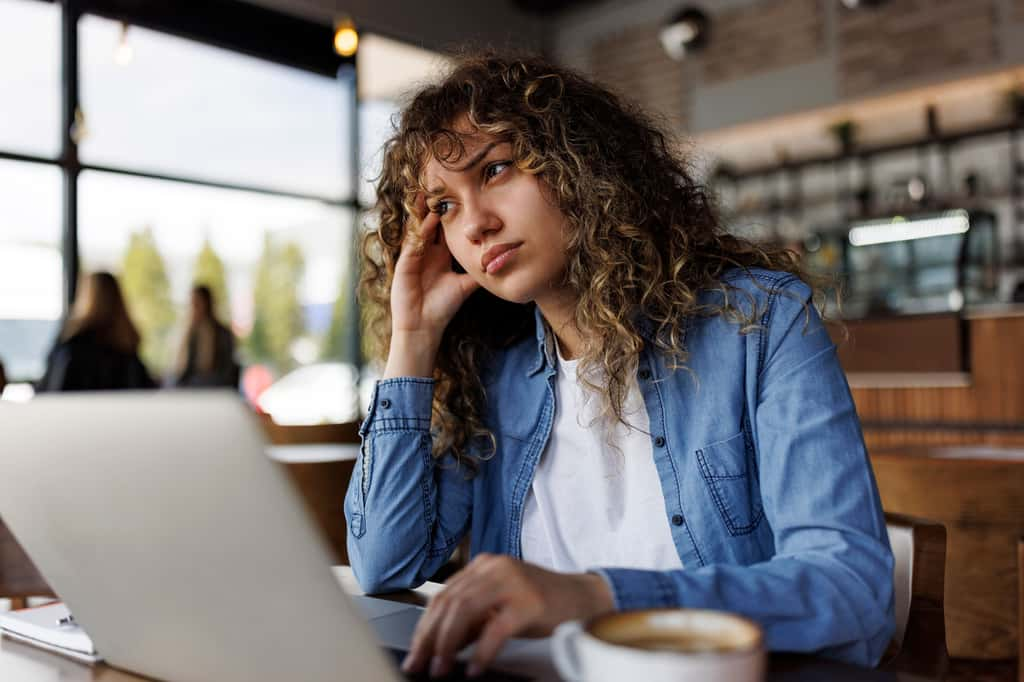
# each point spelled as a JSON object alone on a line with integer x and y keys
{"x": 675, "y": 473}
{"x": 396, "y": 424}
{"x": 535, "y": 447}
{"x": 431, "y": 550}
{"x": 715, "y": 495}
{"x": 397, "y": 381}
{"x": 766, "y": 317}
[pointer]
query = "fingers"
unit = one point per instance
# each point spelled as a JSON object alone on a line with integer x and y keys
{"x": 455, "y": 616}
{"x": 506, "y": 623}
{"x": 419, "y": 237}
{"x": 449, "y": 623}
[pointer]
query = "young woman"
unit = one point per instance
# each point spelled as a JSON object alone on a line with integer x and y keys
{"x": 622, "y": 405}
{"x": 98, "y": 347}
{"x": 206, "y": 357}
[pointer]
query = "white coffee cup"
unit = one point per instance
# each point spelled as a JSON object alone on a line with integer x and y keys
{"x": 660, "y": 645}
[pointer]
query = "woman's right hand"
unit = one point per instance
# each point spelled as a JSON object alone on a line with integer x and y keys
{"x": 425, "y": 295}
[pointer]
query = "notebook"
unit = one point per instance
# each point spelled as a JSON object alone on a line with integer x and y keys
{"x": 48, "y": 627}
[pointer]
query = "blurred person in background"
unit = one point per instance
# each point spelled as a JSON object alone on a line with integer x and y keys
{"x": 3, "y": 379}
{"x": 206, "y": 357}
{"x": 97, "y": 349}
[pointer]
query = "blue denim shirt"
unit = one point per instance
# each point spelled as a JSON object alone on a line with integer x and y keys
{"x": 769, "y": 494}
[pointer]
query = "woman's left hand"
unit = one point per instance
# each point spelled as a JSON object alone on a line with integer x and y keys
{"x": 494, "y": 598}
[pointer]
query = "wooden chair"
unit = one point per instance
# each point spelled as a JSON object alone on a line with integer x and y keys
{"x": 919, "y": 644}
{"x": 314, "y": 433}
{"x": 322, "y": 484}
{"x": 975, "y": 492}
{"x": 19, "y": 577}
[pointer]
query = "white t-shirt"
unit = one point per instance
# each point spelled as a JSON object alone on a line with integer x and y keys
{"x": 592, "y": 505}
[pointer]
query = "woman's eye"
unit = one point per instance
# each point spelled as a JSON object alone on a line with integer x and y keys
{"x": 440, "y": 207}
{"x": 495, "y": 169}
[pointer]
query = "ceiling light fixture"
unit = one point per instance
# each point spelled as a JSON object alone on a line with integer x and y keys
{"x": 346, "y": 38}
{"x": 684, "y": 33}
{"x": 123, "y": 53}
{"x": 861, "y": 4}
{"x": 899, "y": 229}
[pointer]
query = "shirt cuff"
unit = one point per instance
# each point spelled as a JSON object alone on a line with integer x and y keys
{"x": 399, "y": 404}
{"x": 639, "y": 589}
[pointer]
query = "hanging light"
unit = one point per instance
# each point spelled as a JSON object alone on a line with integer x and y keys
{"x": 898, "y": 228}
{"x": 123, "y": 53}
{"x": 346, "y": 38}
{"x": 685, "y": 32}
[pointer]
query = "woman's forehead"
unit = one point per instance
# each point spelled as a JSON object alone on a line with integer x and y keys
{"x": 455, "y": 154}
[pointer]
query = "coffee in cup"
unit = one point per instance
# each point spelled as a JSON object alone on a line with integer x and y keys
{"x": 661, "y": 645}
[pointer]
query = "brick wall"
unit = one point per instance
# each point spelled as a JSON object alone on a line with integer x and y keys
{"x": 768, "y": 35}
{"x": 910, "y": 39}
{"x": 632, "y": 63}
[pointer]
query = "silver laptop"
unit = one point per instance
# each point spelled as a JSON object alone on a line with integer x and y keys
{"x": 179, "y": 546}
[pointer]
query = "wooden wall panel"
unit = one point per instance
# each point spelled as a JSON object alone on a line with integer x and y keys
{"x": 995, "y": 396}
{"x": 926, "y": 343}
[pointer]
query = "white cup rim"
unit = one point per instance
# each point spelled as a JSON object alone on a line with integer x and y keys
{"x": 755, "y": 647}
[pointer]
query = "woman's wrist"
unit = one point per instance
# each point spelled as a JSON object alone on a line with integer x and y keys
{"x": 597, "y": 595}
{"x": 412, "y": 354}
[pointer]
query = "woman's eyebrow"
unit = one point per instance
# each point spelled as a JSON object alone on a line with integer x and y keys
{"x": 473, "y": 161}
{"x": 477, "y": 158}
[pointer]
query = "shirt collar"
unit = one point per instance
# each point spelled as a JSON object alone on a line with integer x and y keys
{"x": 545, "y": 343}
{"x": 546, "y": 339}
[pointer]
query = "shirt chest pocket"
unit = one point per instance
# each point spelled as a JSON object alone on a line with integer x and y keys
{"x": 730, "y": 473}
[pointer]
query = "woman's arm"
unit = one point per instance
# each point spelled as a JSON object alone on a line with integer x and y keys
{"x": 828, "y": 588}
{"x": 406, "y": 511}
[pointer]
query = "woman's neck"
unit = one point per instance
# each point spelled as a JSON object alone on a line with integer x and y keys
{"x": 560, "y": 315}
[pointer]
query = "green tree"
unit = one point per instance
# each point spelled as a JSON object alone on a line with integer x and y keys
{"x": 209, "y": 271}
{"x": 341, "y": 338}
{"x": 336, "y": 342}
{"x": 277, "y": 318}
{"x": 147, "y": 294}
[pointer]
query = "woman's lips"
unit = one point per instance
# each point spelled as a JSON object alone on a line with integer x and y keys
{"x": 500, "y": 260}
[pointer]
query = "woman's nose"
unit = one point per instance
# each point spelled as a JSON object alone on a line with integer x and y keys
{"x": 479, "y": 221}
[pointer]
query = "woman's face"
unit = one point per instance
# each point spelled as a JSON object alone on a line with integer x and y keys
{"x": 498, "y": 222}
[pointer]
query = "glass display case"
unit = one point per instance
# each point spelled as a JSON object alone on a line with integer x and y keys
{"x": 913, "y": 264}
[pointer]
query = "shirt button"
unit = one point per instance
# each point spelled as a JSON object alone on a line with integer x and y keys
{"x": 677, "y": 520}
{"x": 660, "y": 441}
{"x": 385, "y": 403}
{"x": 645, "y": 374}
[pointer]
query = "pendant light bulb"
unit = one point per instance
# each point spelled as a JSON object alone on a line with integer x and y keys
{"x": 346, "y": 38}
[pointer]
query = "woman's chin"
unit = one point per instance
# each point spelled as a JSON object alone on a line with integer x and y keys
{"x": 511, "y": 294}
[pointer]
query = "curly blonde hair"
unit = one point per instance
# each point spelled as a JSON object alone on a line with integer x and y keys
{"x": 643, "y": 237}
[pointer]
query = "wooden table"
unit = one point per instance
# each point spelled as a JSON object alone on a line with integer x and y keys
{"x": 24, "y": 663}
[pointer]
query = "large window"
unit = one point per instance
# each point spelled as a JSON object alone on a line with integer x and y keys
{"x": 31, "y": 299}
{"x": 278, "y": 266}
{"x": 31, "y": 296}
{"x": 276, "y": 254}
{"x": 198, "y": 165}
{"x": 160, "y": 103}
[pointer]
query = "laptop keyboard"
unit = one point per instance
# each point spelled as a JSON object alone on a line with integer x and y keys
{"x": 458, "y": 673}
